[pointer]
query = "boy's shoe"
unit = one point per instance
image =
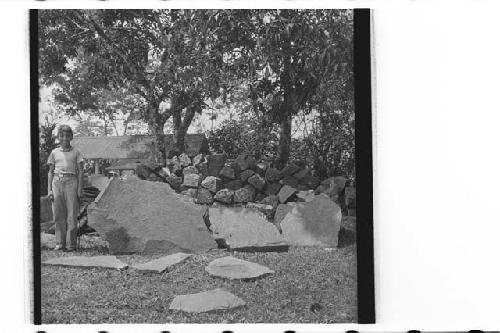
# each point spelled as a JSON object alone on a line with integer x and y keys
{"x": 59, "y": 247}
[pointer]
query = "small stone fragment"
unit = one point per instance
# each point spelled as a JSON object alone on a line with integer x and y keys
{"x": 162, "y": 264}
{"x": 87, "y": 261}
{"x": 257, "y": 181}
{"x": 184, "y": 160}
{"x": 273, "y": 175}
{"x": 272, "y": 188}
{"x": 191, "y": 180}
{"x": 190, "y": 170}
{"x": 246, "y": 174}
{"x": 243, "y": 195}
{"x": 271, "y": 200}
{"x": 227, "y": 173}
{"x": 290, "y": 181}
{"x": 225, "y": 196}
{"x": 286, "y": 193}
{"x": 217, "y": 299}
{"x": 198, "y": 159}
{"x": 204, "y": 197}
{"x": 289, "y": 170}
{"x": 211, "y": 183}
{"x": 233, "y": 268}
{"x": 233, "y": 185}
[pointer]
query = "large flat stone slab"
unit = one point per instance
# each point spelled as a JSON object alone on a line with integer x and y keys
{"x": 135, "y": 215}
{"x": 89, "y": 262}
{"x": 217, "y": 299}
{"x": 162, "y": 264}
{"x": 314, "y": 223}
{"x": 244, "y": 229}
{"x": 233, "y": 268}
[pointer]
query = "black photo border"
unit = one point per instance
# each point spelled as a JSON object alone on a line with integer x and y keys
{"x": 364, "y": 166}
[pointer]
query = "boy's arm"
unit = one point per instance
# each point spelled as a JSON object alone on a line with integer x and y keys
{"x": 49, "y": 182}
{"x": 80, "y": 179}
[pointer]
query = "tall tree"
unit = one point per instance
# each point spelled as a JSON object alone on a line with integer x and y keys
{"x": 293, "y": 51}
{"x": 172, "y": 56}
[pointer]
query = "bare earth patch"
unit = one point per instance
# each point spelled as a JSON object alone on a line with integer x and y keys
{"x": 311, "y": 285}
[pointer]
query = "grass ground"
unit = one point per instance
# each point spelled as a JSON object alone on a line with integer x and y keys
{"x": 304, "y": 277}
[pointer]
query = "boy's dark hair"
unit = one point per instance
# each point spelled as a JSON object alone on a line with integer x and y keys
{"x": 64, "y": 128}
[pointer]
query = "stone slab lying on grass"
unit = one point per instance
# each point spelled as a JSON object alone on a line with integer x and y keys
{"x": 314, "y": 223}
{"x": 244, "y": 229}
{"x": 89, "y": 262}
{"x": 147, "y": 217}
{"x": 217, "y": 299}
{"x": 233, "y": 268}
{"x": 162, "y": 264}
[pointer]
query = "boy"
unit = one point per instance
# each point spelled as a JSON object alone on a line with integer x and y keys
{"x": 65, "y": 188}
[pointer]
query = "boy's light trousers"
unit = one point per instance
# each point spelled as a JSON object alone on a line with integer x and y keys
{"x": 66, "y": 209}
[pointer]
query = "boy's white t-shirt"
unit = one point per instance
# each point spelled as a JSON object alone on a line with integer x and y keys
{"x": 65, "y": 161}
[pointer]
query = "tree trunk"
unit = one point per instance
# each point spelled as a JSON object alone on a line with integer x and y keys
{"x": 178, "y": 136}
{"x": 181, "y": 126}
{"x": 158, "y": 143}
{"x": 284, "y": 141}
{"x": 287, "y": 109}
{"x": 156, "y": 124}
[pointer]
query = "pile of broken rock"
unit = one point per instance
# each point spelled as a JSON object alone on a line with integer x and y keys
{"x": 138, "y": 216}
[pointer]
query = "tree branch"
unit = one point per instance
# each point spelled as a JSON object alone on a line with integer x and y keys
{"x": 114, "y": 48}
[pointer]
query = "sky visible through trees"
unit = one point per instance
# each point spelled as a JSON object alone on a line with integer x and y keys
{"x": 125, "y": 72}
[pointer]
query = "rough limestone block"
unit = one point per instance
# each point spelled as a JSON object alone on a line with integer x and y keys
{"x": 217, "y": 299}
{"x": 272, "y": 200}
{"x": 246, "y": 174}
{"x": 272, "y": 175}
{"x": 225, "y": 196}
{"x": 190, "y": 170}
{"x": 204, "y": 197}
{"x": 301, "y": 174}
{"x": 192, "y": 180}
{"x": 236, "y": 269}
{"x": 88, "y": 262}
{"x": 244, "y": 195}
{"x": 257, "y": 181}
{"x": 289, "y": 170}
{"x": 273, "y": 188}
{"x": 290, "y": 181}
{"x": 215, "y": 164}
{"x": 211, "y": 183}
{"x": 305, "y": 196}
{"x": 233, "y": 185}
{"x": 227, "y": 173}
{"x": 286, "y": 193}
{"x": 162, "y": 264}
{"x": 184, "y": 160}
{"x": 198, "y": 159}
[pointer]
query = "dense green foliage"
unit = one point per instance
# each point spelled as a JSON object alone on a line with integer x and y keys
{"x": 47, "y": 143}
{"x": 271, "y": 66}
